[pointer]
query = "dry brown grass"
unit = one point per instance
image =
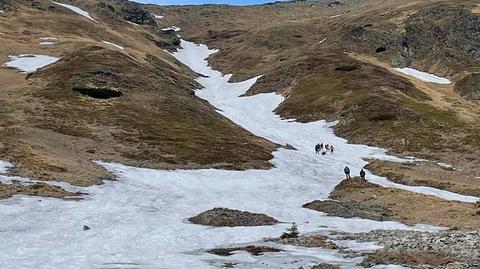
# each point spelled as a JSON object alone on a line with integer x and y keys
{"x": 426, "y": 209}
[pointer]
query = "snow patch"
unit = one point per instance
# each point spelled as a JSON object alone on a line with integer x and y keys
{"x": 172, "y": 28}
{"x": 48, "y": 38}
{"x": 47, "y": 43}
{"x": 113, "y": 44}
{"x": 423, "y": 75}
{"x": 321, "y": 41}
{"x": 335, "y": 16}
{"x": 29, "y": 63}
{"x": 4, "y": 166}
{"x": 1, "y": 11}
{"x": 157, "y": 16}
{"x": 76, "y": 10}
{"x": 132, "y": 23}
{"x": 445, "y": 165}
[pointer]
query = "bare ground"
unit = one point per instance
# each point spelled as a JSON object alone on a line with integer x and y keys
{"x": 398, "y": 205}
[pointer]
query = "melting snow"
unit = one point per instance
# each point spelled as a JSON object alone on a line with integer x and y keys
{"x": 140, "y": 220}
{"x": 321, "y": 41}
{"x": 29, "y": 63}
{"x": 335, "y": 16}
{"x": 1, "y": 11}
{"x": 113, "y": 44}
{"x": 172, "y": 28}
{"x": 423, "y": 75}
{"x": 48, "y": 38}
{"x": 157, "y": 16}
{"x": 47, "y": 43}
{"x": 76, "y": 10}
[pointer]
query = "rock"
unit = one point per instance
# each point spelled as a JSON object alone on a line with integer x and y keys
{"x": 224, "y": 217}
{"x": 288, "y": 146}
{"x": 308, "y": 241}
{"x": 134, "y": 12}
{"x": 469, "y": 87}
{"x": 86, "y": 228}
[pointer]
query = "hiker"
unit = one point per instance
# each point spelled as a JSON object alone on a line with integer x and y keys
{"x": 321, "y": 146}
{"x": 347, "y": 172}
{"x": 317, "y": 148}
{"x": 332, "y": 149}
{"x": 327, "y": 147}
{"x": 362, "y": 174}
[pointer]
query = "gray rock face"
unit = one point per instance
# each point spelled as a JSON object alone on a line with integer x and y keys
{"x": 444, "y": 35}
{"x": 469, "y": 87}
{"x": 224, "y": 217}
{"x": 450, "y": 34}
{"x": 133, "y": 12}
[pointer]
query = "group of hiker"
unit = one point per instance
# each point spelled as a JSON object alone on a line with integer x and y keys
{"x": 346, "y": 170}
{"x": 320, "y": 148}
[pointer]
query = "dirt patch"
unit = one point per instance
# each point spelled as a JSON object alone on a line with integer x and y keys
{"x": 35, "y": 189}
{"x": 326, "y": 266}
{"x": 429, "y": 174}
{"x": 224, "y": 217}
{"x": 411, "y": 258}
{"x": 351, "y": 210}
{"x": 396, "y": 204}
{"x": 253, "y": 250}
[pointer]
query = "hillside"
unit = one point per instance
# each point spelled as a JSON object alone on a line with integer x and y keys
{"x": 53, "y": 127}
{"x": 147, "y": 136}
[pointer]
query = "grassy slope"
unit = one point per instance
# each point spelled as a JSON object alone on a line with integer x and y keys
{"x": 51, "y": 131}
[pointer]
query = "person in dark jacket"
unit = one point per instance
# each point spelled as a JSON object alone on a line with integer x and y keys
{"x": 362, "y": 174}
{"x": 317, "y": 148}
{"x": 346, "y": 170}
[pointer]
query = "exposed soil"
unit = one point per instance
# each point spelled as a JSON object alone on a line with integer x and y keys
{"x": 351, "y": 210}
{"x": 326, "y": 266}
{"x": 359, "y": 198}
{"x": 36, "y": 189}
{"x": 221, "y": 217}
{"x": 429, "y": 174}
{"x": 253, "y": 250}
{"x": 413, "y": 259}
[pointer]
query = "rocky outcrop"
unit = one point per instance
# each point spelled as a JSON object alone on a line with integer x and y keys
{"x": 221, "y": 217}
{"x": 129, "y": 11}
{"x": 448, "y": 33}
{"x": 469, "y": 87}
{"x": 134, "y": 12}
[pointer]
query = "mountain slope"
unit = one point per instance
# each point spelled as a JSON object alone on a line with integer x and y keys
{"x": 57, "y": 121}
